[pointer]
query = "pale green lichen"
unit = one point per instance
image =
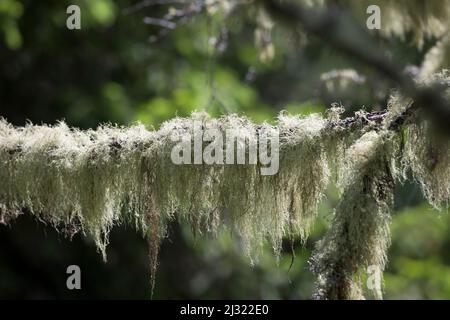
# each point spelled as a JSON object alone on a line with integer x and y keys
{"x": 426, "y": 149}
{"x": 427, "y": 155}
{"x": 95, "y": 179}
{"x": 255, "y": 207}
{"x": 359, "y": 233}
{"x": 65, "y": 176}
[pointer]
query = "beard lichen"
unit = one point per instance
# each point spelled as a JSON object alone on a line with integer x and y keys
{"x": 359, "y": 234}
{"x": 92, "y": 180}
{"x": 426, "y": 147}
{"x": 68, "y": 177}
{"x": 427, "y": 155}
{"x": 238, "y": 197}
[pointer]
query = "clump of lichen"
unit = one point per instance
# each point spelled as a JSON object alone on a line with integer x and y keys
{"x": 91, "y": 180}
{"x": 253, "y": 206}
{"x": 71, "y": 178}
{"x": 426, "y": 149}
{"x": 359, "y": 233}
{"x": 427, "y": 155}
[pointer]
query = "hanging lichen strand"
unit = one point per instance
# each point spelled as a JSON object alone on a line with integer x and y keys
{"x": 427, "y": 154}
{"x": 359, "y": 233}
{"x": 426, "y": 151}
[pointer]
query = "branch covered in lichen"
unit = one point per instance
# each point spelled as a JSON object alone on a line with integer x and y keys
{"x": 91, "y": 180}
{"x": 405, "y": 142}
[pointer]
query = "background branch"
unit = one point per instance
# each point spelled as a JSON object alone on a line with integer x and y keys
{"x": 333, "y": 27}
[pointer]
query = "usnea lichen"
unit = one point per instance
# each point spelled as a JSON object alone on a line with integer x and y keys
{"x": 427, "y": 155}
{"x": 426, "y": 149}
{"x": 68, "y": 177}
{"x": 359, "y": 234}
{"x": 94, "y": 179}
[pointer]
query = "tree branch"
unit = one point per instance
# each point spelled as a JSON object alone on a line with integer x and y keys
{"x": 334, "y": 28}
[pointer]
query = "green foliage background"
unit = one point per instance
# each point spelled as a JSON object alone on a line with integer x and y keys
{"x": 109, "y": 71}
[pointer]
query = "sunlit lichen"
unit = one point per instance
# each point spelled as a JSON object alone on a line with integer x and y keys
{"x": 426, "y": 149}
{"x": 95, "y": 179}
{"x": 359, "y": 233}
